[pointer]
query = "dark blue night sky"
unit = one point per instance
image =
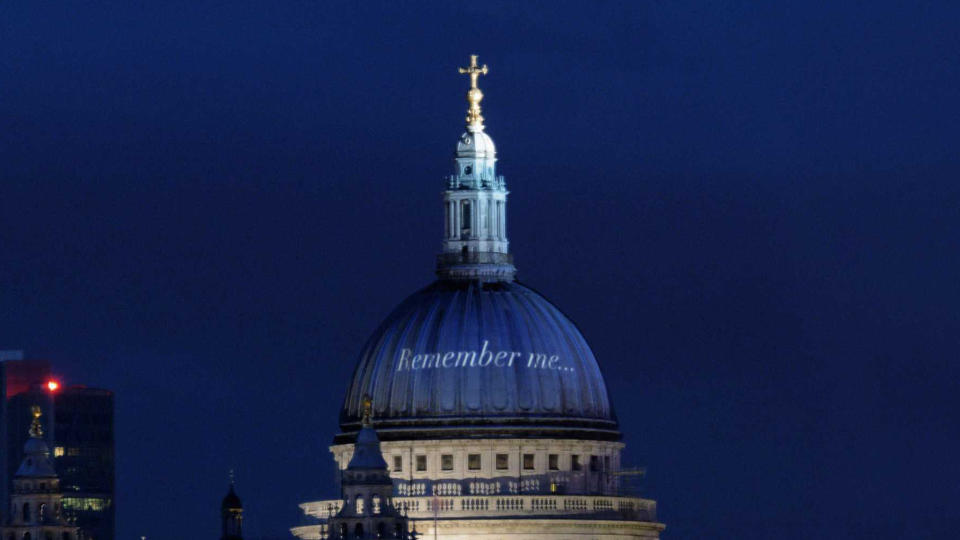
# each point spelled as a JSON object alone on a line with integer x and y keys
{"x": 749, "y": 209}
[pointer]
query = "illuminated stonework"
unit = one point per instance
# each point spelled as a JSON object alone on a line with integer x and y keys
{"x": 36, "y": 503}
{"x": 489, "y": 407}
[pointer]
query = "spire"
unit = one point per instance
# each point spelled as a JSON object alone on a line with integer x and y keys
{"x": 36, "y": 428}
{"x": 475, "y": 202}
{"x": 474, "y": 95}
{"x": 231, "y": 514}
{"x": 366, "y": 451}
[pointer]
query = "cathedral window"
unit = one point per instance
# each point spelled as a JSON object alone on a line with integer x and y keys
{"x": 359, "y": 503}
{"x": 473, "y": 462}
{"x": 421, "y": 463}
{"x": 553, "y": 462}
{"x": 381, "y": 530}
{"x": 398, "y": 463}
{"x": 26, "y": 512}
{"x": 528, "y": 462}
{"x": 575, "y": 463}
{"x": 375, "y": 503}
{"x": 42, "y": 514}
{"x": 503, "y": 462}
{"x": 358, "y": 531}
{"x": 446, "y": 462}
{"x": 594, "y": 463}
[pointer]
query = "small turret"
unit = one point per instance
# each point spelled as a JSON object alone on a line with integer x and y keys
{"x": 231, "y": 514}
{"x": 367, "y": 511}
{"x": 35, "y": 501}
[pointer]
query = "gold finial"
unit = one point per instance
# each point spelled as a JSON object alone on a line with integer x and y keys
{"x": 474, "y": 95}
{"x": 367, "y": 409}
{"x": 36, "y": 430}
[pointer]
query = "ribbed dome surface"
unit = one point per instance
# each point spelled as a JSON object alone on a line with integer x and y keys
{"x": 36, "y": 462}
{"x": 476, "y": 144}
{"x": 468, "y": 359}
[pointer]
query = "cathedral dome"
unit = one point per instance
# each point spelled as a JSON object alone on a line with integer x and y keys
{"x": 466, "y": 359}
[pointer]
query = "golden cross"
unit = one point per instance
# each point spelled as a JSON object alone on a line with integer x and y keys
{"x": 36, "y": 429}
{"x": 367, "y": 409}
{"x": 474, "y": 70}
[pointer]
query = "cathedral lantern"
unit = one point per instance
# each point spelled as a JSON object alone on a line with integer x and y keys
{"x": 475, "y": 202}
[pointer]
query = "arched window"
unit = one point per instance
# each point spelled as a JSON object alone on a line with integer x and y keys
{"x": 343, "y": 530}
{"x": 42, "y": 513}
{"x": 381, "y": 530}
{"x": 26, "y": 512}
{"x": 358, "y": 531}
{"x": 359, "y": 504}
{"x": 375, "y": 503}
{"x": 398, "y": 531}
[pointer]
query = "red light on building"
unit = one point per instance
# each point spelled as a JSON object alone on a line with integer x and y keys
{"x": 52, "y": 386}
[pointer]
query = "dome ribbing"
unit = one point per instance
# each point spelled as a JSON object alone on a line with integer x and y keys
{"x": 463, "y": 359}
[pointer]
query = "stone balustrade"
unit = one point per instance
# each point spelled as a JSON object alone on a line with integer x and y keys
{"x": 527, "y": 506}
